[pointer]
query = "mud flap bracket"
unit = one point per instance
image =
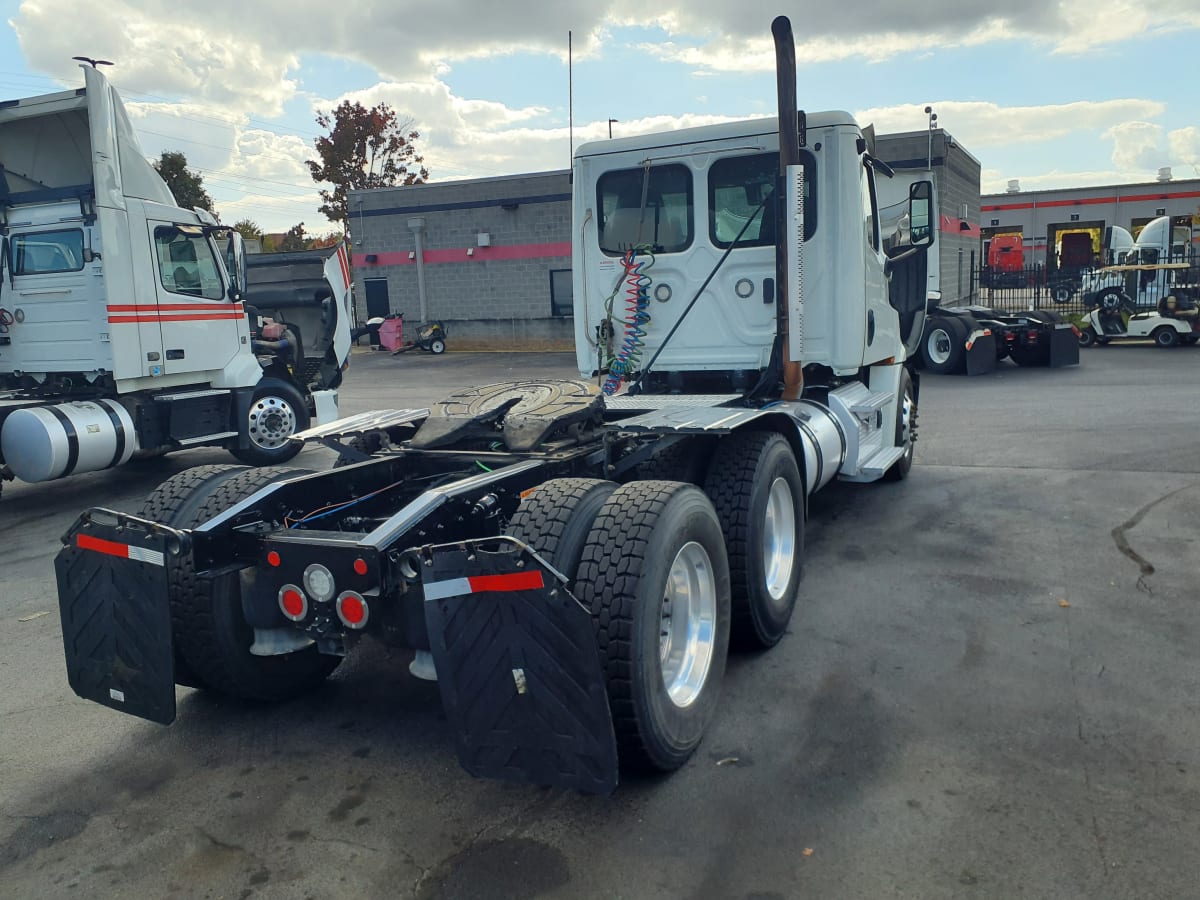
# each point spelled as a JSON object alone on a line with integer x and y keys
{"x": 517, "y": 666}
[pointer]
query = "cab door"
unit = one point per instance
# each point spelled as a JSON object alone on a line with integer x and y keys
{"x": 202, "y": 329}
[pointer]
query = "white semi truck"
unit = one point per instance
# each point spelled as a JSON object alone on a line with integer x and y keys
{"x": 126, "y": 324}
{"x": 570, "y": 560}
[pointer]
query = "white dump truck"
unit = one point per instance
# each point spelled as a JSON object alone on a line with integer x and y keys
{"x": 126, "y": 324}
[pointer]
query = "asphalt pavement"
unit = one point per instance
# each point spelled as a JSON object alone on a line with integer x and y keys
{"x": 990, "y": 689}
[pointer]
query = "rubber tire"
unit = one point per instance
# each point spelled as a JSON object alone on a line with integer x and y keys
{"x": 369, "y": 444}
{"x": 900, "y": 468}
{"x": 257, "y": 456}
{"x": 211, "y": 636}
{"x": 687, "y": 460}
{"x": 1087, "y": 336}
{"x": 556, "y": 519}
{"x": 1102, "y": 340}
{"x": 1165, "y": 336}
{"x": 1023, "y": 356}
{"x": 622, "y": 577}
{"x": 743, "y": 469}
{"x": 1062, "y": 293}
{"x": 174, "y": 503}
{"x": 437, "y": 346}
{"x": 956, "y": 331}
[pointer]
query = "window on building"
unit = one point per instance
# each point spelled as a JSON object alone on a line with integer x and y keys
{"x": 737, "y": 186}
{"x": 664, "y": 224}
{"x": 561, "y": 296}
{"x": 45, "y": 252}
{"x": 186, "y": 263}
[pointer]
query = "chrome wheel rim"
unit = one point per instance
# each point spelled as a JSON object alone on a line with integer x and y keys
{"x": 938, "y": 346}
{"x": 688, "y": 624}
{"x": 907, "y": 408}
{"x": 271, "y": 422}
{"x": 779, "y": 541}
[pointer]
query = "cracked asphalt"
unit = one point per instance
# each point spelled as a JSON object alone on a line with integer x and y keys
{"x": 990, "y": 690}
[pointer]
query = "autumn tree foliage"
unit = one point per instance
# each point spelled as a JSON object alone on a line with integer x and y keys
{"x": 186, "y": 186}
{"x": 295, "y": 239}
{"x": 365, "y": 148}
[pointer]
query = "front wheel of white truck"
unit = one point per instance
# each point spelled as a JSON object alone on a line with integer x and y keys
{"x": 277, "y": 411}
{"x": 655, "y": 576}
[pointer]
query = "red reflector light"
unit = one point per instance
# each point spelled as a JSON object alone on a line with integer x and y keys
{"x": 293, "y": 602}
{"x": 273, "y": 558}
{"x": 360, "y": 567}
{"x": 352, "y": 609}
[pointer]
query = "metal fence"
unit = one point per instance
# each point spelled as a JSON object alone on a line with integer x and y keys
{"x": 1063, "y": 290}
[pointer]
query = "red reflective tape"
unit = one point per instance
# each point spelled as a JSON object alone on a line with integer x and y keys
{"x": 112, "y": 548}
{"x": 518, "y": 581}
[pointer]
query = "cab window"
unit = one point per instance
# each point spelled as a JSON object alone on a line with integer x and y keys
{"x": 738, "y": 185}
{"x": 45, "y": 252}
{"x": 664, "y": 223}
{"x": 186, "y": 263}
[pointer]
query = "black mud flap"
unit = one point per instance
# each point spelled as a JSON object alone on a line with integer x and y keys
{"x": 518, "y": 669}
{"x": 981, "y": 355}
{"x": 116, "y": 618}
{"x": 1064, "y": 347}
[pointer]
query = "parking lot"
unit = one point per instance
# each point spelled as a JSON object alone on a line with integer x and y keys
{"x": 990, "y": 689}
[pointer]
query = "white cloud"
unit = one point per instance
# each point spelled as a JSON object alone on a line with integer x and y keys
{"x": 1137, "y": 145}
{"x": 979, "y": 124}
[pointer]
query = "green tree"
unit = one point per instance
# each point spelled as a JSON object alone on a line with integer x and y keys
{"x": 186, "y": 186}
{"x": 365, "y": 148}
{"x": 248, "y": 229}
{"x": 294, "y": 239}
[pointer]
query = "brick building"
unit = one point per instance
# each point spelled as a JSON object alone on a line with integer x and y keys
{"x": 492, "y": 256}
{"x": 1045, "y": 221}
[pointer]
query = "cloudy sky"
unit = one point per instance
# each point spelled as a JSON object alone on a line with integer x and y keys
{"x": 1052, "y": 92}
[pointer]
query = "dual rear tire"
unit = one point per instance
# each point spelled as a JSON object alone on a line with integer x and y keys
{"x": 669, "y": 573}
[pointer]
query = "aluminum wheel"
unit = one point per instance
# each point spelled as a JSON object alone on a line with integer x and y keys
{"x": 937, "y": 346}
{"x": 272, "y": 420}
{"x": 779, "y": 540}
{"x": 687, "y": 628}
{"x": 906, "y": 424}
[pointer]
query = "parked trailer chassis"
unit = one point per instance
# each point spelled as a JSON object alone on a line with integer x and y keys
{"x": 413, "y": 546}
{"x": 973, "y": 339}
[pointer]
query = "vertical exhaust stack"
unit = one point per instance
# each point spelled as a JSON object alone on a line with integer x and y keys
{"x": 789, "y": 154}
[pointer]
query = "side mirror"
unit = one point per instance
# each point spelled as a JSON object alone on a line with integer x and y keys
{"x": 235, "y": 265}
{"x": 920, "y": 213}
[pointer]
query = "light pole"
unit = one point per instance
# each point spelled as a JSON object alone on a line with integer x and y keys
{"x": 610, "y": 125}
{"x": 932, "y": 124}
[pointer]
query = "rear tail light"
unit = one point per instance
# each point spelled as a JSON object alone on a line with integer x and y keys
{"x": 318, "y": 581}
{"x": 352, "y": 609}
{"x": 293, "y": 602}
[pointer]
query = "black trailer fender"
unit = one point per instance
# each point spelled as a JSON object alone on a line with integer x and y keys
{"x": 116, "y": 619}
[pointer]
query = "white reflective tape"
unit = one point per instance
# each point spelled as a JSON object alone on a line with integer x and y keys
{"x": 451, "y": 587}
{"x": 119, "y": 696}
{"x": 141, "y": 554}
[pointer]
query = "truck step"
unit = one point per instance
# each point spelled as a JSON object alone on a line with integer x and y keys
{"x": 879, "y": 462}
{"x": 870, "y": 404}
